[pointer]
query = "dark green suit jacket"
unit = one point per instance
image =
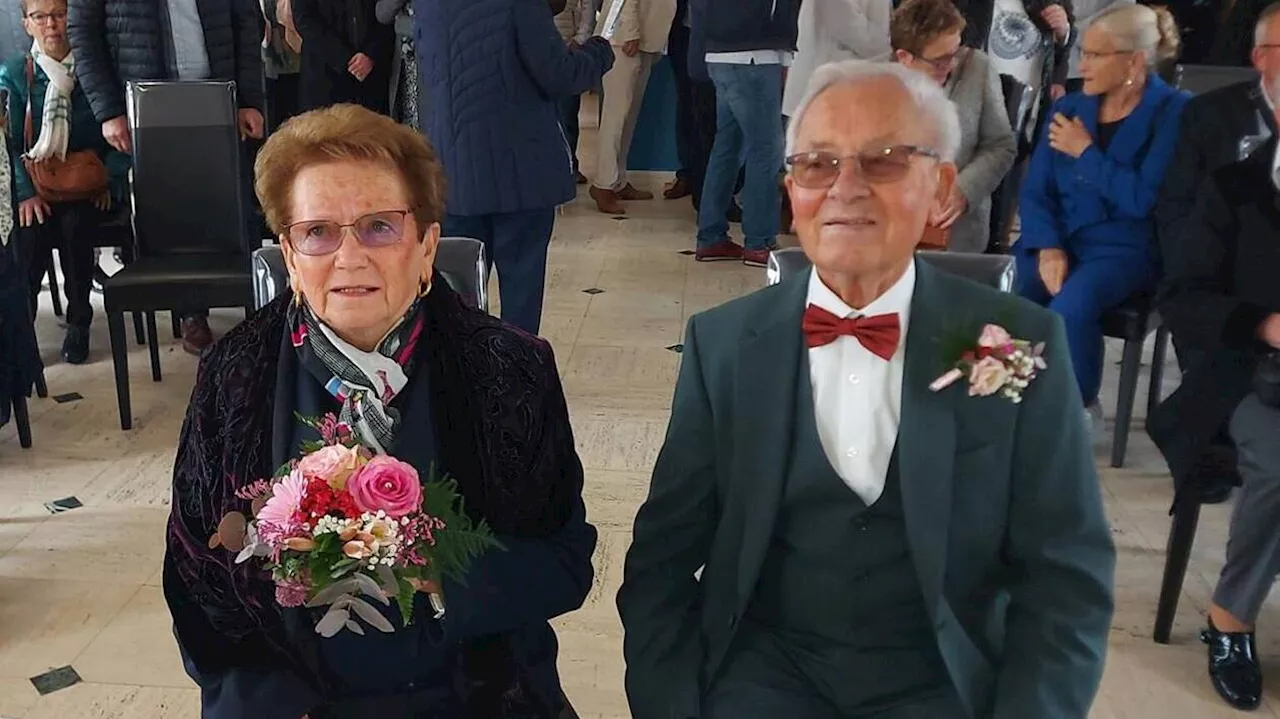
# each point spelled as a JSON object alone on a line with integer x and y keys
{"x": 1004, "y": 515}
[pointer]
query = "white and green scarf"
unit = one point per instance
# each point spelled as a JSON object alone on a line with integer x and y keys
{"x": 55, "y": 126}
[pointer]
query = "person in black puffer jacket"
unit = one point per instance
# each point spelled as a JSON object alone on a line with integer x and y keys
{"x": 122, "y": 40}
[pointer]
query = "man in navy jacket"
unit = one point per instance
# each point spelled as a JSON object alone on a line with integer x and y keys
{"x": 494, "y": 73}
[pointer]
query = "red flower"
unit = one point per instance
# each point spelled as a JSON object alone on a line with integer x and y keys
{"x": 321, "y": 500}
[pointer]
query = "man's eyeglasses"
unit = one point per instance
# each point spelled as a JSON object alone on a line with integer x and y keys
{"x": 41, "y": 18}
{"x": 322, "y": 237}
{"x": 820, "y": 170}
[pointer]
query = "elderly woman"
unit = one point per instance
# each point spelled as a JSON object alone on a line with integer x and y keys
{"x": 42, "y": 86}
{"x": 1088, "y": 229}
{"x": 925, "y": 35}
{"x": 356, "y": 200}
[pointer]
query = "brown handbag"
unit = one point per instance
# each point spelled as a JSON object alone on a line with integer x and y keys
{"x": 79, "y": 176}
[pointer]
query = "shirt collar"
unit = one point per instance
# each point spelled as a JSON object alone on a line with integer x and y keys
{"x": 897, "y": 300}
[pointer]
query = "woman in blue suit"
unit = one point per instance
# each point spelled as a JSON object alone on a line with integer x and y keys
{"x": 1088, "y": 235}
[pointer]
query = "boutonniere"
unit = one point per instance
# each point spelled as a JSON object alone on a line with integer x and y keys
{"x": 999, "y": 364}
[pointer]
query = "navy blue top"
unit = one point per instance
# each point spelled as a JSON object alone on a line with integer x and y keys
{"x": 412, "y": 659}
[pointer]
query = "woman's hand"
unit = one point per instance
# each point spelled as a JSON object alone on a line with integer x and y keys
{"x": 1053, "y": 269}
{"x": 426, "y": 586}
{"x": 1056, "y": 18}
{"x": 32, "y": 211}
{"x": 1069, "y": 136}
{"x": 103, "y": 201}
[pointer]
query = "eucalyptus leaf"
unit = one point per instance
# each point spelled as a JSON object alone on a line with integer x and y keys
{"x": 375, "y": 619}
{"x": 335, "y": 590}
{"x": 367, "y": 586}
{"x": 390, "y": 586}
{"x": 354, "y": 626}
{"x": 341, "y": 571}
{"x": 333, "y": 622}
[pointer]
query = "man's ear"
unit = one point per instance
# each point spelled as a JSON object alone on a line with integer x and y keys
{"x": 946, "y": 185}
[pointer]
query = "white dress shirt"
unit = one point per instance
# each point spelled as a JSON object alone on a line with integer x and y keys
{"x": 857, "y": 396}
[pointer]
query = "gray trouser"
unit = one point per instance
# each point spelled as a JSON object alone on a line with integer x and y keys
{"x": 1253, "y": 546}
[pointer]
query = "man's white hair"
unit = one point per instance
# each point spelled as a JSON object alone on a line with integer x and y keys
{"x": 925, "y": 93}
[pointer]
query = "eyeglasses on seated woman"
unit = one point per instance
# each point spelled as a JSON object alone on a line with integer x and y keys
{"x": 371, "y": 334}
{"x": 925, "y": 35}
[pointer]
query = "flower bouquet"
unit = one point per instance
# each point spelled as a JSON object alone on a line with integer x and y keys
{"x": 999, "y": 364}
{"x": 342, "y": 525}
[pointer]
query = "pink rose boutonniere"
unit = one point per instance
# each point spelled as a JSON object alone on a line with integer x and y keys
{"x": 999, "y": 364}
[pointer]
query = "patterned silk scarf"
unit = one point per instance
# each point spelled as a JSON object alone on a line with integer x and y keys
{"x": 364, "y": 382}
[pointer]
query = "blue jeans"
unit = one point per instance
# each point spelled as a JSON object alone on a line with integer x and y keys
{"x": 748, "y": 130}
{"x": 517, "y": 243}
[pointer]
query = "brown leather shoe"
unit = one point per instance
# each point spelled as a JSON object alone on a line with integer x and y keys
{"x": 630, "y": 193}
{"x": 607, "y": 201}
{"x": 677, "y": 189}
{"x": 197, "y": 338}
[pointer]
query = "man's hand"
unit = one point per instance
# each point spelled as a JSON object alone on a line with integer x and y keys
{"x": 251, "y": 124}
{"x": 33, "y": 211}
{"x": 360, "y": 66}
{"x": 103, "y": 201}
{"x": 1053, "y": 270}
{"x": 1069, "y": 136}
{"x": 630, "y": 48}
{"x": 116, "y": 132}
{"x": 955, "y": 208}
{"x": 1057, "y": 91}
{"x": 1269, "y": 330}
{"x": 1056, "y": 18}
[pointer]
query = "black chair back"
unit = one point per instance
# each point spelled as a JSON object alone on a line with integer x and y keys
{"x": 187, "y": 191}
{"x": 460, "y": 260}
{"x": 995, "y": 271}
{"x": 1199, "y": 79}
{"x": 1017, "y": 102}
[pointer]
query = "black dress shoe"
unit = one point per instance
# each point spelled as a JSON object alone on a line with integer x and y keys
{"x": 75, "y": 347}
{"x": 1233, "y": 667}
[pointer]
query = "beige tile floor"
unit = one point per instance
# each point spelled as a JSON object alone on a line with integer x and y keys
{"x": 82, "y": 588}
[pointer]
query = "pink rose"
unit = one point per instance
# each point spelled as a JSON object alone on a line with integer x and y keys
{"x": 386, "y": 484}
{"x": 987, "y": 376}
{"x": 994, "y": 336}
{"x": 333, "y": 464}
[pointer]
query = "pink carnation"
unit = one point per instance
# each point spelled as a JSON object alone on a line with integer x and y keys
{"x": 291, "y": 594}
{"x": 386, "y": 484}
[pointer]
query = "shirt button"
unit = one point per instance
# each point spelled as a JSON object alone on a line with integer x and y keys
{"x": 851, "y": 452}
{"x": 854, "y": 379}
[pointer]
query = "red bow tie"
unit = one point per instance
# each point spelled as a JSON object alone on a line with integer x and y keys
{"x": 879, "y": 334}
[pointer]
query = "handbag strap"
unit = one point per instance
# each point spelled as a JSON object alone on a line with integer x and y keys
{"x": 28, "y": 128}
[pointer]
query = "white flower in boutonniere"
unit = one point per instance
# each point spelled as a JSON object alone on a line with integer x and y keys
{"x": 999, "y": 364}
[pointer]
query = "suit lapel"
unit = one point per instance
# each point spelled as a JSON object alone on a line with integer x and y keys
{"x": 926, "y": 435}
{"x": 766, "y": 391}
{"x": 1131, "y": 138}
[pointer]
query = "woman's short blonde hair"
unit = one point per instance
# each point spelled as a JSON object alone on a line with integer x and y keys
{"x": 1139, "y": 28}
{"x": 347, "y": 133}
{"x": 916, "y": 23}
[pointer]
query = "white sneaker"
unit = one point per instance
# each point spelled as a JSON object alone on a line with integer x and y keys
{"x": 1094, "y": 421}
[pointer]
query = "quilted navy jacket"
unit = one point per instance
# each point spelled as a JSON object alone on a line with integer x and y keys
{"x": 492, "y": 75}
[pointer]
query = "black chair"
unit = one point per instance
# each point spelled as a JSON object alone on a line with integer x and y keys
{"x": 1199, "y": 79}
{"x": 461, "y": 260}
{"x": 995, "y": 271}
{"x": 1132, "y": 322}
{"x": 191, "y": 249}
{"x": 1004, "y": 201}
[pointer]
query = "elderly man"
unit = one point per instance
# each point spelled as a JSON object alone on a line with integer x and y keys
{"x": 878, "y": 536}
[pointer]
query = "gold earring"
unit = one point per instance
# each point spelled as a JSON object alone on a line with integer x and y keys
{"x": 424, "y": 287}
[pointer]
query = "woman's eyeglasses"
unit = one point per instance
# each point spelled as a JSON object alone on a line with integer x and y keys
{"x": 322, "y": 237}
{"x": 40, "y": 18}
{"x": 820, "y": 170}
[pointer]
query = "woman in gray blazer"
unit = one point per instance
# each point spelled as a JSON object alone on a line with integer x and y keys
{"x": 925, "y": 35}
